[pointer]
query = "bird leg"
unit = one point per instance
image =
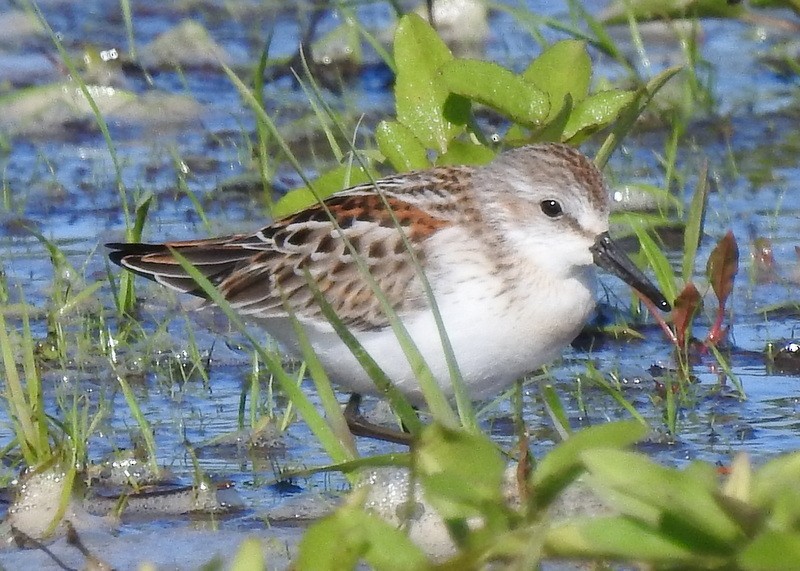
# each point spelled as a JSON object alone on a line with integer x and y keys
{"x": 360, "y": 426}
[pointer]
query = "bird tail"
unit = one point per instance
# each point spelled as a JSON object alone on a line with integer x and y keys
{"x": 216, "y": 259}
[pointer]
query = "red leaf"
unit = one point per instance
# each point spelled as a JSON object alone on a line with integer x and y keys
{"x": 683, "y": 311}
{"x": 723, "y": 263}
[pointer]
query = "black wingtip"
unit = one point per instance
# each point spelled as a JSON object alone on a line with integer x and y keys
{"x": 121, "y": 250}
{"x": 117, "y": 252}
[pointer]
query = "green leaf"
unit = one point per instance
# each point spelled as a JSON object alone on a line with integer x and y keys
{"x": 462, "y": 472}
{"x": 771, "y": 551}
{"x": 547, "y": 73}
{"x": 510, "y": 94}
{"x": 342, "y": 539}
{"x": 339, "y": 178}
{"x": 614, "y": 537}
{"x": 595, "y": 112}
{"x": 400, "y": 147}
{"x": 420, "y": 97}
{"x": 686, "y": 500}
{"x": 463, "y": 153}
{"x": 563, "y": 464}
{"x": 553, "y": 130}
{"x": 775, "y": 491}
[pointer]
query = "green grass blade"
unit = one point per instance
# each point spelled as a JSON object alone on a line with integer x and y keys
{"x": 35, "y": 398}
{"x": 393, "y": 459}
{"x": 264, "y": 167}
{"x": 19, "y": 409}
{"x": 128, "y": 19}
{"x": 141, "y": 420}
{"x": 555, "y": 410}
{"x": 726, "y": 368}
{"x": 178, "y": 165}
{"x": 694, "y": 224}
{"x": 126, "y": 296}
{"x": 655, "y": 257}
{"x": 598, "y": 379}
{"x": 330, "y": 404}
{"x": 627, "y": 118}
{"x": 323, "y": 118}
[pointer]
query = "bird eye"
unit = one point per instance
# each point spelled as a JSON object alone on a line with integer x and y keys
{"x": 551, "y": 208}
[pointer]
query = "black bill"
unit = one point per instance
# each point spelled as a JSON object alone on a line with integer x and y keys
{"x": 608, "y": 256}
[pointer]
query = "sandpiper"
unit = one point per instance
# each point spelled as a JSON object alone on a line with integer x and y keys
{"x": 509, "y": 250}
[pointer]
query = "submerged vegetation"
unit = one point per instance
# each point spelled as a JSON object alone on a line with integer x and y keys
{"x": 90, "y": 358}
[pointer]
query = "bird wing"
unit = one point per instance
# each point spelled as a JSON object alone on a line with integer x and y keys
{"x": 259, "y": 273}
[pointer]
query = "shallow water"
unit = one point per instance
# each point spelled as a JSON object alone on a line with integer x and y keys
{"x": 58, "y": 179}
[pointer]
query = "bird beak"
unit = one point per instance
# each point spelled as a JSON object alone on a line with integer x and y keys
{"x": 610, "y": 257}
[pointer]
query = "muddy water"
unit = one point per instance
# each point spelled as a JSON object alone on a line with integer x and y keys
{"x": 184, "y": 136}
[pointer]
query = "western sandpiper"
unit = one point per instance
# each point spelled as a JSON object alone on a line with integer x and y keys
{"x": 509, "y": 250}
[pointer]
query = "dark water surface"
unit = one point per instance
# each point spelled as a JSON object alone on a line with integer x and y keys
{"x": 58, "y": 178}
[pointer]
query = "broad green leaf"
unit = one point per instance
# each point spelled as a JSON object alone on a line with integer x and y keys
{"x": 463, "y": 153}
{"x": 784, "y": 508}
{"x": 687, "y": 501}
{"x": 420, "y": 97}
{"x": 771, "y": 551}
{"x": 342, "y": 539}
{"x": 615, "y": 537}
{"x": 496, "y": 87}
{"x": 595, "y": 112}
{"x": 553, "y": 130}
{"x": 775, "y": 490}
{"x": 563, "y": 464}
{"x": 547, "y": 73}
{"x": 339, "y": 178}
{"x": 400, "y": 147}
{"x": 461, "y": 472}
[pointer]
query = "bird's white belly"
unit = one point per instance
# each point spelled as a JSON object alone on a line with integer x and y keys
{"x": 494, "y": 341}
